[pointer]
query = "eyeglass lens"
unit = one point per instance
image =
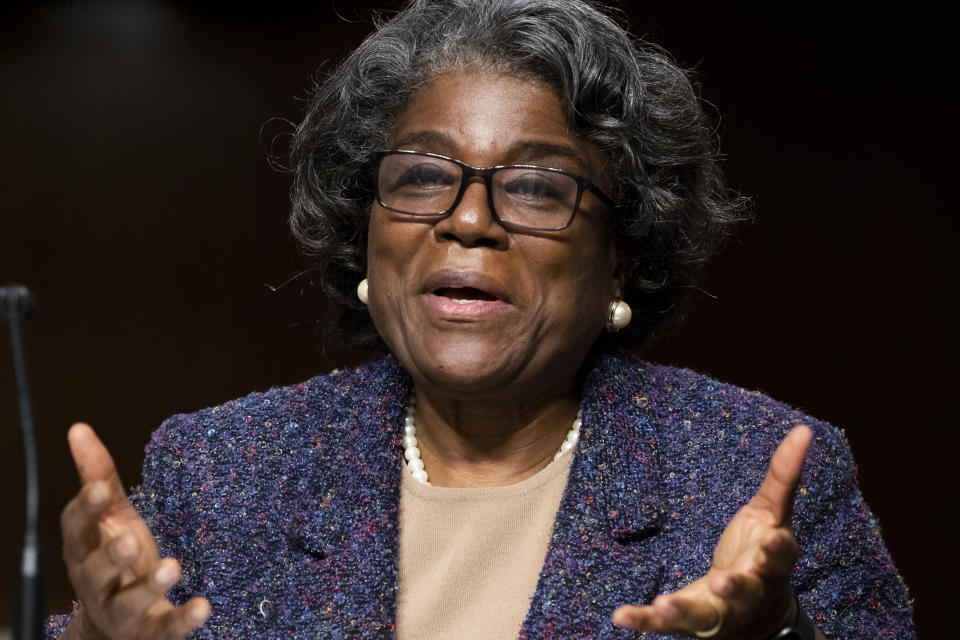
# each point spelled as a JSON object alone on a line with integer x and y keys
{"x": 424, "y": 185}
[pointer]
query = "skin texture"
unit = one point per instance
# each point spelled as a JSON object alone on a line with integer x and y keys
{"x": 496, "y": 382}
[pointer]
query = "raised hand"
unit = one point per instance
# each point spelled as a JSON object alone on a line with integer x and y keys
{"x": 112, "y": 559}
{"x": 746, "y": 594}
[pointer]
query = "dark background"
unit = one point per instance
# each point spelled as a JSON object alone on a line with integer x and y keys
{"x": 137, "y": 203}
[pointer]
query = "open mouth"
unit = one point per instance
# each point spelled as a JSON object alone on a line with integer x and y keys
{"x": 464, "y": 295}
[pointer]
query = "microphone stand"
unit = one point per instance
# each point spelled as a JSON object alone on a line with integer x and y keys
{"x": 15, "y": 302}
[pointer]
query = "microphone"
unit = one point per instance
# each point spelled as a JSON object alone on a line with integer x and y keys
{"x": 16, "y": 303}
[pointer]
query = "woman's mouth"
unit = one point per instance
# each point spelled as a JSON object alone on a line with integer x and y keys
{"x": 464, "y": 296}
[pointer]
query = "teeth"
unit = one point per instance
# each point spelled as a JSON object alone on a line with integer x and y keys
{"x": 461, "y": 301}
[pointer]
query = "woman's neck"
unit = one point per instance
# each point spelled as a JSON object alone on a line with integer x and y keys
{"x": 485, "y": 442}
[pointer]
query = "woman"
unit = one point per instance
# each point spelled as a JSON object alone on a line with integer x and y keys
{"x": 506, "y": 195}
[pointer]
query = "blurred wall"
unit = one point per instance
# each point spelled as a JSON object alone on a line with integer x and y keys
{"x": 136, "y": 201}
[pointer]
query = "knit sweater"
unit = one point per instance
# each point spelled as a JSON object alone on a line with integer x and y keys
{"x": 283, "y": 506}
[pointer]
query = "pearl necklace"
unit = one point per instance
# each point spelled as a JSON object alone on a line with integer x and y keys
{"x": 412, "y": 454}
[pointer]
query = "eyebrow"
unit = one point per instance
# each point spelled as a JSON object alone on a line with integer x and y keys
{"x": 540, "y": 149}
{"x": 442, "y": 143}
{"x": 428, "y": 139}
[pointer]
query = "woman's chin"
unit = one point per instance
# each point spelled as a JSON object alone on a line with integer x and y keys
{"x": 467, "y": 367}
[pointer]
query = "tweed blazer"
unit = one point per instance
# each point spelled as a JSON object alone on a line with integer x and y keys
{"x": 283, "y": 506}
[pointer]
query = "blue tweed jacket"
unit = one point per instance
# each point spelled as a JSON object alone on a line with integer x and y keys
{"x": 282, "y": 506}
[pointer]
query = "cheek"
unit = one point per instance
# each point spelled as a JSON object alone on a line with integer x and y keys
{"x": 590, "y": 293}
{"x": 577, "y": 286}
{"x": 394, "y": 270}
{"x": 387, "y": 245}
{"x": 383, "y": 274}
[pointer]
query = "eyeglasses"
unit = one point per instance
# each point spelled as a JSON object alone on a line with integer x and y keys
{"x": 520, "y": 196}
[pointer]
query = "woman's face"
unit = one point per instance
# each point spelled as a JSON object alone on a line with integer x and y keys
{"x": 467, "y": 306}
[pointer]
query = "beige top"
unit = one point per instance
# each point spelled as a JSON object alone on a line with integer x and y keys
{"x": 470, "y": 558}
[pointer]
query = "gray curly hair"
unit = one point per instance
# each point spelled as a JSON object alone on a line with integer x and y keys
{"x": 626, "y": 96}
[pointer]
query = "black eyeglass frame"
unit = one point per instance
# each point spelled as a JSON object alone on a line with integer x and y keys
{"x": 486, "y": 174}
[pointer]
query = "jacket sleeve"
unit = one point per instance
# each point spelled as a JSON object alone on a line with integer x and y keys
{"x": 166, "y": 495}
{"x": 160, "y": 500}
{"x": 844, "y": 579}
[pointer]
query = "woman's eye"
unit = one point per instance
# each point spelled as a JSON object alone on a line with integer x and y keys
{"x": 533, "y": 187}
{"x": 425, "y": 176}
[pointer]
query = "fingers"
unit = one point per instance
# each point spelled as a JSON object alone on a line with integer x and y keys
{"x": 751, "y": 588}
{"x": 776, "y": 555}
{"x": 101, "y": 510}
{"x": 138, "y": 609}
{"x": 767, "y": 557}
{"x": 177, "y": 622}
{"x": 780, "y": 484}
{"x": 80, "y": 520}
{"x": 112, "y": 558}
{"x": 91, "y": 457}
{"x": 162, "y": 621}
{"x": 136, "y": 600}
{"x": 736, "y": 587}
{"x": 678, "y": 612}
{"x": 752, "y": 562}
{"x": 105, "y": 570}
{"x": 721, "y": 603}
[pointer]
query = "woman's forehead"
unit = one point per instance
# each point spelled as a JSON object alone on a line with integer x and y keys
{"x": 486, "y": 118}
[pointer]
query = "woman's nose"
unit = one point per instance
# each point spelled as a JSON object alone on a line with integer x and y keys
{"x": 472, "y": 223}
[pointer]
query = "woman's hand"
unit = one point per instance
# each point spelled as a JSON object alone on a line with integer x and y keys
{"x": 112, "y": 559}
{"x": 746, "y": 593}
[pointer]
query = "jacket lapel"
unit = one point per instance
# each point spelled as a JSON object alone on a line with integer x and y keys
{"x": 605, "y": 549}
{"x": 346, "y": 520}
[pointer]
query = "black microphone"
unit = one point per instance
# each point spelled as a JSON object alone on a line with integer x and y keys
{"x": 16, "y": 303}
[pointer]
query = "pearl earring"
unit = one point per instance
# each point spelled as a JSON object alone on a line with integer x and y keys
{"x": 618, "y": 315}
{"x": 362, "y": 291}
